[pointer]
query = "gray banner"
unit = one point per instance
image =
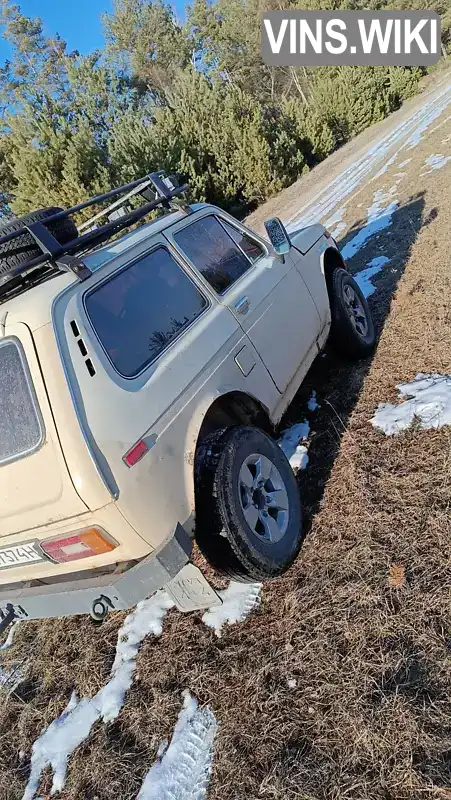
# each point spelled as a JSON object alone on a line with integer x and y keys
{"x": 375, "y": 38}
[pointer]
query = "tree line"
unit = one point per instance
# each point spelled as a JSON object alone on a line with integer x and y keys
{"x": 192, "y": 97}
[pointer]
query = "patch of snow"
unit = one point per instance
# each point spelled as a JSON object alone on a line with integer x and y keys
{"x": 440, "y": 125}
{"x": 379, "y": 217}
{"x": 74, "y": 725}
{"x": 427, "y": 120}
{"x": 336, "y": 217}
{"x": 290, "y": 444}
{"x": 299, "y": 459}
{"x": 335, "y": 223}
{"x": 355, "y": 174}
{"x": 363, "y": 278}
{"x": 312, "y": 404}
{"x": 292, "y": 436}
{"x": 400, "y": 174}
{"x": 292, "y": 683}
{"x": 10, "y": 638}
{"x": 404, "y": 163}
{"x": 10, "y": 678}
{"x": 183, "y": 768}
{"x": 429, "y": 403}
{"x": 238, "y": 600}
{"x": 338, "y": 230}
{"x": 387, "y": 164}
{"x": 437, "y": 161}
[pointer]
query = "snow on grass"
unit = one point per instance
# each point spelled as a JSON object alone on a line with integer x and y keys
{"x": 312, "y": 404}
{"x": 387, "y": 164}
{"x": 335, "y": 223}
{"x": 426, "y": 121}
{"x": 73, "y": 726}
{"x": 182, "y": 769}
{"x": 238, "y": 601}
{"x": 404, "y": 163}
{"x": 437, "y": 161}
{"x": 292, "y": 683}
{"x": 299, "y": 459}
{"x": 428, "y": 403}
{"x": 11, "y": 678}
{"x": 344, "y": 185}
{"x": 363, "y": 278}
{"x": 296, "y": 453}
{"x": 10, "y": 638}
{"x": 379, "y": 217}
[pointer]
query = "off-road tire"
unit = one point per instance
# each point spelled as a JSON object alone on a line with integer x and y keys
{"x": 344, "y": 337}
{"x": 23, "y": 248}
{"x": 222, "y": 533}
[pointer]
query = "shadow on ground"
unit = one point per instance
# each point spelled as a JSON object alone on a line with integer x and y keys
{"x": 338, "y": 383}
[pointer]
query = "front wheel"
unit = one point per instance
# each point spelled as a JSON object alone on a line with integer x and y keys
{"x": 352, "y": 331}
{"x": 248, "y": 511}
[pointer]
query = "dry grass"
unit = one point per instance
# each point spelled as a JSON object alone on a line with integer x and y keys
{"x": 363, "y": 620}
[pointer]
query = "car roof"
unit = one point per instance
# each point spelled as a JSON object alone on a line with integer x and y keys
{"x": 34, "y": 305}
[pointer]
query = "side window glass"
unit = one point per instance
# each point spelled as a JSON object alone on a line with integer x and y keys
{"x": 252, "y": 249}
{"x": 140, "y": 310}
{"x": 212, "y": 250}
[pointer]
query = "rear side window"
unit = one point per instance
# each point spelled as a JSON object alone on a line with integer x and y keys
{"x": 142, "y": 309}
{"x": 214, "y": 252}
{"x": 21, "y": 427}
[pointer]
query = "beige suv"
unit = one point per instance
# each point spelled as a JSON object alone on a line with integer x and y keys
{"x": 141, "y": 378}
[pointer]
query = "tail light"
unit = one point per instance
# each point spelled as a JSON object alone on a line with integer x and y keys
{"x": 82, "y": 544}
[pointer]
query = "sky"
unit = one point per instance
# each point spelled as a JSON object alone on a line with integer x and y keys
{"x": 77, "y": 21}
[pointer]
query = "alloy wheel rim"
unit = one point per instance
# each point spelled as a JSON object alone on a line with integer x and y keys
{"x": 263, "y": 498}
{"x": 355, "y": 311}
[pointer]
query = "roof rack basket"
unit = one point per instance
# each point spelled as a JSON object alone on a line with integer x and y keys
{"x": 62, "y": 257}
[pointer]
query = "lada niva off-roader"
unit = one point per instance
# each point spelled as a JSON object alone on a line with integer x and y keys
{"x": 140, "y": 379}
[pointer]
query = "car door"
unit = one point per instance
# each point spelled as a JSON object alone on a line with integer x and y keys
{"x": 266, "y": 295}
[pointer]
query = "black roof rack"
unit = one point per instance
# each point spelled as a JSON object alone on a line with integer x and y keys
{"x": 62, "y": 257}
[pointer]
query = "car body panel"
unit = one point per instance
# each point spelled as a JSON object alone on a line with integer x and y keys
{"x": 93, "y": 416}
{"x": 278, "y": 315}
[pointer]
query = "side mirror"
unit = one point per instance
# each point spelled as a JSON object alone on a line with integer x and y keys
{"x": 278, "y": 236}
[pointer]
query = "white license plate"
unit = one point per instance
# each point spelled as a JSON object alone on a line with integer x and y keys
{"x": 190, "y": 591}
{"x": 17, "y": 555}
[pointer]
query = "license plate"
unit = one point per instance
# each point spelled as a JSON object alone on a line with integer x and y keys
{"x": 16, "y": 555}
{"x": 190, "y": 591}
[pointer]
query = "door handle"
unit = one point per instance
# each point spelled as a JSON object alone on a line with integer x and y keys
{"x": 242, "y": 307}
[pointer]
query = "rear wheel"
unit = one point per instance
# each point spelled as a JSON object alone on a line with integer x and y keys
{"x": 23, "y": 248}
{"x": 248, "y": 517}
{"x": 352, "y": 330}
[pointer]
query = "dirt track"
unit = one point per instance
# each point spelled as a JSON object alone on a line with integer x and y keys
{"x": 369, "y": 716}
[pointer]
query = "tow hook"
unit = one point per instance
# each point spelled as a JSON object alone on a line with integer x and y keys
{"x": 7, "y": 616}
{"x": 100, "y": 608}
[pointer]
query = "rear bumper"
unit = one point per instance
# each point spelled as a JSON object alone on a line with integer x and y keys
{"x": 117, "y": 592}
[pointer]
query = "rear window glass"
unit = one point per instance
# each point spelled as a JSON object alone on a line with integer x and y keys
{"x": 142, "y": 309}
{"x": 21, "y": 430}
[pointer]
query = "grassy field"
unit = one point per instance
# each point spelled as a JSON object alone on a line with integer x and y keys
{"x": 339, "y": 686}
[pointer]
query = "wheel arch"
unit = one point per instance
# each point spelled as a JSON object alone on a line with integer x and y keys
{"x": 332, "y": 260}
{"x": 234, "y": 408}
